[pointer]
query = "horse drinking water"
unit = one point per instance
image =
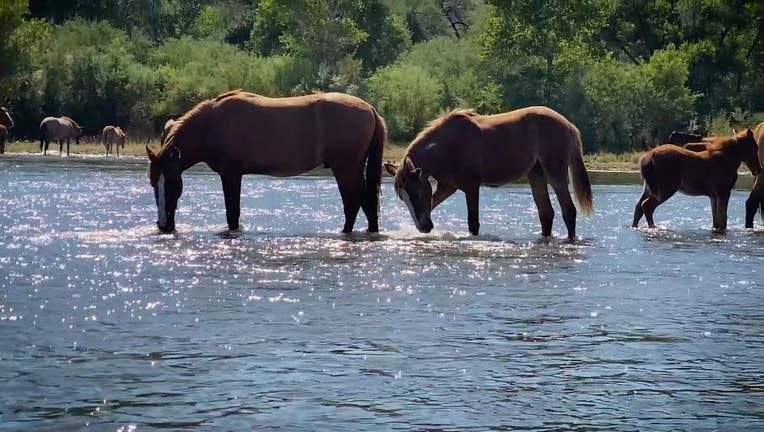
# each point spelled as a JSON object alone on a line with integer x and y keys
{"x": 6, "y": 123}
{"x": 463, "y": 150}
{"x": 241, "y": 133}
{"x": 58, "y": 129}
{"x": 712, "y": 172}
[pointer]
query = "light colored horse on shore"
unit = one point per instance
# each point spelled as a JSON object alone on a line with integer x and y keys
{"x": 59, "y": 129}
{"x": 6, "y": 123}
{"x": 112, "y": 138}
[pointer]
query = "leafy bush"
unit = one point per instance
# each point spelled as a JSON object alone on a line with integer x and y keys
{"x": 407, "y": 97}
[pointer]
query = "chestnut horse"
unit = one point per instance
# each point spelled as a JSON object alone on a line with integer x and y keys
{"x": 6, "y": 123}
{"x": 113, "y": 137}
{"x": 711, "y": 172}
{"x": 241, "y": 133}
{"x": 58, "y": 129}
{"x": 463, "y": 150}
{"x": 755, "y": 200}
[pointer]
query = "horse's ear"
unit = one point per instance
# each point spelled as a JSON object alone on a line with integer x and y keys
{"x": 150, "y": 153}
{"x": 417, "y": 172}
{"x": 749, "y": 133}
{"x": 391, "y": 168}
{"x": 409, "y": 164}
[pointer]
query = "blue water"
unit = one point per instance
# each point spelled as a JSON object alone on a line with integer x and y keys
{"x": 289, "y": 325}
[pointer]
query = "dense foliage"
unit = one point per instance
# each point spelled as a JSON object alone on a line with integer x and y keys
{"x": 626, "y": 72}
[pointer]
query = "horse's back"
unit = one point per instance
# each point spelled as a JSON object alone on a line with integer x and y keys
{"x": 284, "y": 136}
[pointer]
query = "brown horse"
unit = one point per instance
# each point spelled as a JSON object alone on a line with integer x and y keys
{"x": 241, "y": 133}
{"x": 463, "y": 150}
{"x": 113, "y": 137}
{"x": 712, "y": 172}
{"x": 58, "y": 129}
{"x": 755, "y": 200}
{"x": 6, "y": 123}
{"x": 166, "y": 129}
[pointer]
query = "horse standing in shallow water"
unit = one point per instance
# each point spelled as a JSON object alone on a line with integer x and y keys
{"x": 463, "y": 150}
{"x": 6, "y": 123}
{"x": 755, "y": 200}
{"x": 113, "y": 137}
{"x": 241, "y": 133}
{"x": 59, "y": 129}
{"x": 712, "y": 172}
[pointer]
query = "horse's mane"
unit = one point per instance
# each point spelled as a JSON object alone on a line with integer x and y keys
{"x": 183, "y": 121}
{"x": 719, "y": 142}
{"x": 438, "y": 122}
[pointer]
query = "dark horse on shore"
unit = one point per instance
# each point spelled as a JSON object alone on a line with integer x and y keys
{"x": 6, "y": 123}
{"x": 241, "y": 133}
{"x": 59, "y": 129}
{"x": 463, "y": 150}
{"x": 711, "y": 172}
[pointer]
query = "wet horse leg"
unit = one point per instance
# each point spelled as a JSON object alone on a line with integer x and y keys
{"x": 566, "y": 205}
{"x": 638, "y": 212}
{"x": 754, "y": 201}
{"x": 722, "y": 201}
{"x": 67, "y": 146}
{"x": 232, "y": 195}
{"x": 538, "y": 182}
{"x": 472, "y": 194}
{"x": 351, "y": 185}
{"x": 60, "y": 147}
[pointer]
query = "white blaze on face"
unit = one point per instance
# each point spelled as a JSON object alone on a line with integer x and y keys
{"x": 161, "y": 204}
{"x": 405, "y": 197}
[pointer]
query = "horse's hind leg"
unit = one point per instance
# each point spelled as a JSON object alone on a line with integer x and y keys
{"x": 537, "y": 180}
{"x": 754, "y": 201}
{"x": 232, "y": 195}
{"x": 351, "y": 185}
{"x": 638, "y": 212}
{"x": 566, "y": 205}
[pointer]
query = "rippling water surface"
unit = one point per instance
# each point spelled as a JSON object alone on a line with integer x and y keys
{"x": 289, "y": 325}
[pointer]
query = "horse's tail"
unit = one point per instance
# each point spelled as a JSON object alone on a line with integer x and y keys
{"x": 580, "y": 178}
{"x": 43, "y": 133}
{"x": 647, "y": 169}
{"x": 374, "y": 165}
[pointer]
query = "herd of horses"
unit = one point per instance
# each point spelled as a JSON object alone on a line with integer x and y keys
{"x": 239, "y": 133}
{"x": 62, "y": 129}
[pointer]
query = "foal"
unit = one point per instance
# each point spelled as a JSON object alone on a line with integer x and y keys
{"x": 712, "y": 172}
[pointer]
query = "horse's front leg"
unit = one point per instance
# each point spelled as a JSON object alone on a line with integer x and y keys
{"x": 442, "y": 191}
{"x": 232, "y": 194}
{"x": 721, "y": 204}
{"x": 754, "y": 201}
{"x": 60, "y": 147}
{"x": 473, "y": 212}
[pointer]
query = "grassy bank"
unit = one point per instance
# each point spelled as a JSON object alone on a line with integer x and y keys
{"x": 393, "y": 153}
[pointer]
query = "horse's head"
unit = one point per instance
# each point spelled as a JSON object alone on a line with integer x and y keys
{"x": 164, "y": 175}
{"x": 749, "y": 150}
{"x": 413, "y": 187}
{"x": 5, "y": 118}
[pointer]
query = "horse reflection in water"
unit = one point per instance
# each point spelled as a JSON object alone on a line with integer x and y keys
{"x": 241, "y": 133}
{"x": 463, "y": 150}
{"x": 708, "y": 168}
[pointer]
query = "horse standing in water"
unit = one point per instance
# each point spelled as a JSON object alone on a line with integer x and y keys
{"x": 755, "y": 200}
{"x": 6, "y": 123}
{"x": 58, "y": 129}
{"x": 463, "y": 150}
{"x": 241, "y": 133}
{"x": 712, "y": 172}
{"x": 113, "y": 137}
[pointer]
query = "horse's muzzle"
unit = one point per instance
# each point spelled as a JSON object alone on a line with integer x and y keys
{"x": 425, "y": 227}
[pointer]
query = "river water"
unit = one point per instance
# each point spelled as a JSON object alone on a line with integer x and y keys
{"x": 289, "y": 325}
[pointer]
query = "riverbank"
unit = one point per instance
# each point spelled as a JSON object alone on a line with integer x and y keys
{"x": 393, "y": 153}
